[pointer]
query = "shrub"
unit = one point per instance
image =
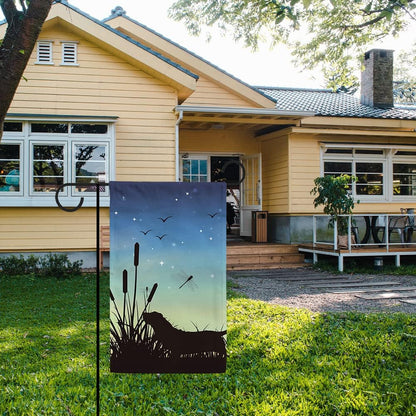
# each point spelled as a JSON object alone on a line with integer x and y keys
{"x": 18, "y": 265}
{"x": 58, "y": 265}
{"x": 51, "y": 265}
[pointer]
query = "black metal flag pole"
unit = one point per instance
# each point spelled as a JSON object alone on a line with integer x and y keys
{"x": 98, "y": 186}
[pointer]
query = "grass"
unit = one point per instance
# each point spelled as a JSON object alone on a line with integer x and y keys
{"x": 281, "y": 361}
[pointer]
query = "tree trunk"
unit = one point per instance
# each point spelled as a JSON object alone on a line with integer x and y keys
{"x": 22, "y": 32}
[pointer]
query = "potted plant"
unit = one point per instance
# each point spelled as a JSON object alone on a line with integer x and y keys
{"x": 333, "y": 192}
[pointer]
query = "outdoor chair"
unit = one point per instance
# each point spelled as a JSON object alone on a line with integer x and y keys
{"x": 397, "y": 224}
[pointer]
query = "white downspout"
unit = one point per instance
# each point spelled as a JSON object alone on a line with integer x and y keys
{"x": 178, "y": 121}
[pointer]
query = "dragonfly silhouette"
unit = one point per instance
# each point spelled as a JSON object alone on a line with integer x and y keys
{"x": 186, "y": 281}
{"x": 165, "y": 219}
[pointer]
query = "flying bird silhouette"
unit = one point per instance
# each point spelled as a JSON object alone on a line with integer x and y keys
{"x": 165, "y": 219}
{"x": 160, "y": 237}
{"x": 212, "y": 215}
{"x": 186, "y": 281}
{"x": 145, "y": 232}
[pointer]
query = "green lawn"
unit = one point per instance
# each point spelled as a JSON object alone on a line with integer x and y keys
{"x": 281, "y": 361}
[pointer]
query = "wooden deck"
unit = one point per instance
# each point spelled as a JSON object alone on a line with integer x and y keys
{"x": 360, "y": 251}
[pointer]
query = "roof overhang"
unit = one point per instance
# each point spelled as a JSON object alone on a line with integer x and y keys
{"x": 258, "y": 119}
{"x": 149, "y": 61}
{"x": 190, "y": 60}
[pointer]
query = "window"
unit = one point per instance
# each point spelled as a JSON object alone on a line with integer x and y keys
{"x": 69, "y": 53}
{"x": 383, "y": 172}
{"x": 37, "y": 157}
{"x": 13, "y": 127}
{"x": 48, "y": 167}
{"x": 369, "y": 178}
{"x": 194, "y": 169}
{"x": 44, "y": 53}
{"x": 10, "y": 168}
{"x": 89, "y": 165}
{"x": 404, "y": 179}
{"x": 49, "y": 127}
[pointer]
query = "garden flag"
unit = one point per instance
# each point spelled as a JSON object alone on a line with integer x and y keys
{"x": 167, "y": 283}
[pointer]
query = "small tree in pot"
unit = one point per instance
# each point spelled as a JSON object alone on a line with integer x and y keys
{"x": 333, "y": 192}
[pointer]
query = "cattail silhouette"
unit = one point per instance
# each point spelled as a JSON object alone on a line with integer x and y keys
{"x": 136, "y": 263}
{"x": 152, "y": 293}
{"x": 124, "y": 292}
{"x": 136, "y": 254}
{"x": 149, "y": 299}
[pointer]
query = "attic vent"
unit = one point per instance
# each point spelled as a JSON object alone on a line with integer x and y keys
{"x": 44, "y": 53}
{"x": 69, "y": 53}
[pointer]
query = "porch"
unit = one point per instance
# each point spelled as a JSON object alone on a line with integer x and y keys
{"x": 369, "y": 235}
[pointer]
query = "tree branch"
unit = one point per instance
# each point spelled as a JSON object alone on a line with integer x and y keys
{"x": 9, "y": 10}
{"x": 20, "y": 38}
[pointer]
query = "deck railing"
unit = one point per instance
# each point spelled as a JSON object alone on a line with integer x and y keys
{"x": 388, "y": 231}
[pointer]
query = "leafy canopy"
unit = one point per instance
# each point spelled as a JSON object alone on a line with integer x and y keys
{"x": 330, "y": 34}
{"x": 333, "y": 193}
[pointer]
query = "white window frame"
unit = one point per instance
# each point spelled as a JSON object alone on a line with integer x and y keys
{"x": 47, "y": 142}
{"x": 401, "y": 159}
{"x": 196, "y": 156}
{"x": 72, "y": 168}
{"x": 19, "y": 193}
{"x": 66, "y": 48}
{"x": 388, "y": 158}
{"x": 44, "y": 49}
{"x": 70, "y": 197}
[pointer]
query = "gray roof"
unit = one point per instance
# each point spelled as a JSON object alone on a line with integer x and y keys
{"x": 335, "y": 104}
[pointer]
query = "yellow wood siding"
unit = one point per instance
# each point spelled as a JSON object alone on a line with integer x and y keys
{"x": 105, "y": 85}
{"x": 46, "y": 229}
{"x": 102, "y": 85}
{"x": 304, "y": 167}
{"x": 218, "y": 141}
{"x": 275, "y": 174}
{"x": 210, "y": 94}
{"x": 231, "y": 92}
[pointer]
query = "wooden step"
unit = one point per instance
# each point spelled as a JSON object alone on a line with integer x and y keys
{"x": 262, "y": 249}
{"x": 263, "y": 256}
{"x": 266, "y": 266}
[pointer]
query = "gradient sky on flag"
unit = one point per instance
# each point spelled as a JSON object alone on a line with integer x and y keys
{"x": 181, "y": 230}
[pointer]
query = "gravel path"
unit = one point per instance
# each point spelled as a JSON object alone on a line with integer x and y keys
{"x": 295, "y": 288}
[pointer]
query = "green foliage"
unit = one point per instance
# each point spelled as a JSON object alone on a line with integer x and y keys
{"x": 333, "y": 192}
{"x": 333, "y": 35}
{"x": 18, "y": 265}
{"x": 281, "y": 361}
{"x": 365, "y": 266}
{"x": 58, "y": 265}
{"x": 51, "y": 265}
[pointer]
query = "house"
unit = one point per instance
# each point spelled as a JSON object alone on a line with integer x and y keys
{"x": 114, "y": 100}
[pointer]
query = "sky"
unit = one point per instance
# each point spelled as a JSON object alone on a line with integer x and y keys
{"x": 181, "y": 231}
{"x": 265, "y": 67}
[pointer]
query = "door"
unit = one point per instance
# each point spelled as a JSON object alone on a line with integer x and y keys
{"x": 251, "y": 191}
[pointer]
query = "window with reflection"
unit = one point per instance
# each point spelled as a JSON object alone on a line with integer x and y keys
{"x": 9, "y": 168}
{"x": 194, "y": 169}
{"x": 368, "y": 165}
{"x": 404, "y": 179}
{"x": 89, "y": 165}
{"x": 48, "y": 167}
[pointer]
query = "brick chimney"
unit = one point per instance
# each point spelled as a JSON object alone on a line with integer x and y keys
{"x": 377, "y": 78}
